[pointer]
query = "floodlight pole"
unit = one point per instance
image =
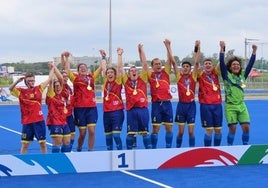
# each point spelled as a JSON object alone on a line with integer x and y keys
{"x": 110, "y": 33}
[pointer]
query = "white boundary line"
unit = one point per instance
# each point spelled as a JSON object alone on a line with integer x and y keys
{"x": 145, "y": 179}
{"x": 7, "y": 129}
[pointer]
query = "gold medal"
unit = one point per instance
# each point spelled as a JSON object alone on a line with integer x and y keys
{"x": 107, "y": 98}
{"x": 215, "y": 88}
{"x": 157, "y": 85}
{"x": 188, "y": 93}
{"x": 89, "y": 87}
{"x": 65, "y": 110}
{"x": 135, "y": 92}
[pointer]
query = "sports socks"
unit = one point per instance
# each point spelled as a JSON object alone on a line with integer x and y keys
{"x": 154, "y": 138}
{"x": 109, "y": 141}
{"x": 147, "y": 142}
{"x": 207, "y": 140}
{"x": 245, "y": 138}
{"x": 169, "y": 138}
{"x": 217, "y": 139}
{"x": 179, "y": 141}
{"x": 55, "y": 149}
{"x": 118, "y": 141}
{"x": 192, "y": 141}
{"x": 230, "y": 139}
{"x": 129, "y": 142}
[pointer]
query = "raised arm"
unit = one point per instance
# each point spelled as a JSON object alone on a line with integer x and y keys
{"x": 65, "y": 61}
{"x": 222, "y": 63}
{"x": 170, "y": 57}
{"x": 13, "y": 85}
{"x": 251, "y": 61}
{"x": 196, "y": 56}
{"x": 120, "y": 67}
{"x": 103, "y": 62}
{"x": 142, "y": 56}
{"x": 50, "y": 76}
{"x": 102, "y": 65}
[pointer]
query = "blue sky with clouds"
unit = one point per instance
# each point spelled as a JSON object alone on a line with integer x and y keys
{"x": 35, "y": 30}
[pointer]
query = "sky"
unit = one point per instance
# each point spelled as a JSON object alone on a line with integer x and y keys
{"x": 38, "y": 30}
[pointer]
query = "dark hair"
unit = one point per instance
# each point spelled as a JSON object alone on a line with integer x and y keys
{"x": 29, "y": 74}
{"x": 80, "y": 64}
{"x": 207, "y": 59}
{"x": 55, "y": 81}
{"x": 152, "y": 62}
{"x": 231, "y": 60}
{"x": 132, "y": 66}
{"x": 110, "y": 68}
{"x": 186, "y": 62}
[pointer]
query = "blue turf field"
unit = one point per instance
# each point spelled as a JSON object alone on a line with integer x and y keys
{"x": 236, "y": 176}
{"x": 11, "y": 127}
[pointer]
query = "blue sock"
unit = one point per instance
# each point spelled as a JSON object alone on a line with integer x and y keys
{"x": 207, "y": 140}
{"x": 245, "y": 138}
{"x": 178, "y": 141}
{"x": 169, "y": 138}
{"x": 134, "y": 141}
{"x": 129, "y": 142}
{"x": 217, "y": 139}
{"x": 154, "y": 138}
{"x": 118, "y": 141}
{"x": 65, "y": 148}
{"x": 72, "y": 142}
{"x": 147, "y": 142}
{"x": 192, "y": 141}
{"x": 109, "y": 141}
{"x": 230, "y": 139}
{"x": 55, "y": 149}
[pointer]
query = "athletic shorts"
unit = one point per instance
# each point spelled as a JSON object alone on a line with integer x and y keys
{"x": 86, "y": 116}
{"x": 185, "y": 112}
{"x": 235, "y": 113}
{"x": 211, "y": 115}
{"x": 37, "y": 129}
{"x": 162, "y": 113}
{"x": 138, "y": 120}
{"x": 70, "y": 123}
{"x": 113, "y": 121}
{"x": 59, "y": 130}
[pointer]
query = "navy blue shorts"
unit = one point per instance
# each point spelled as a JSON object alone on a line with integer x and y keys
{"x": 162, "y": 113}
{"x": 70, "y": 123}
{"x": 185, "y": 112}
{"x": 211, "y": 115}
{"x": 113, "y": 121}
{"x": 138, "y": 121}
{"x": 37, "y": 129}
{"x": 59, "y": 130}
{"x": 86, "y": 116}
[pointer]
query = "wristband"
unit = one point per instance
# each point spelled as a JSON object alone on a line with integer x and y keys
{"x": 195, "y": 49}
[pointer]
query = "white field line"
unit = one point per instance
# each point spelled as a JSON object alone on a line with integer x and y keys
{"x": 16, "y": 132}
{"x": 145, "y": 179}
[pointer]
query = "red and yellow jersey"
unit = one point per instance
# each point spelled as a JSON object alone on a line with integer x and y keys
{"x": 209, "y": 87}
{"x": 112, "y": 99}
{"x": 136, "y": 91}
{"x": 84, "y": 93}
{"x": 186, "y": 87}
{"x": 57, "y": 111}
{"x": 160, "y": 85}
{"x": 30, "y": 103}
{"x": 67, "y": 92}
